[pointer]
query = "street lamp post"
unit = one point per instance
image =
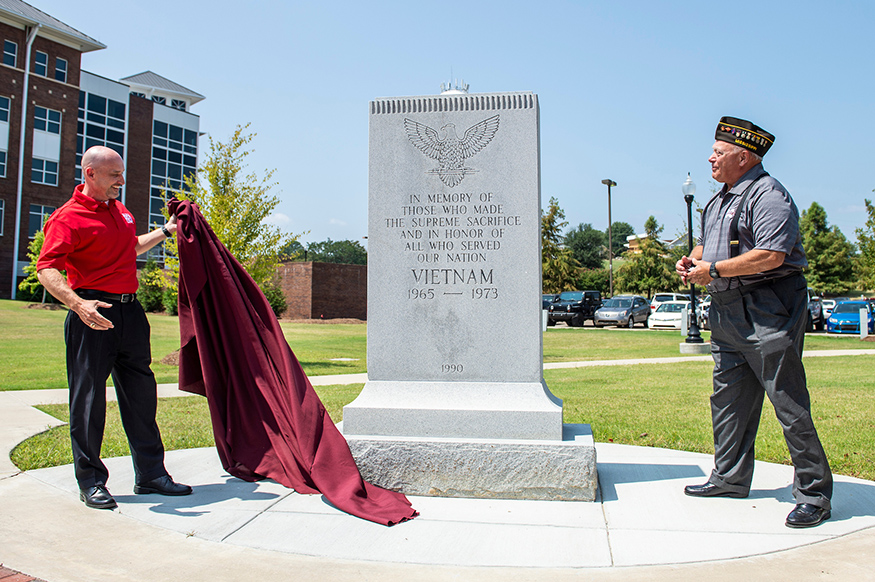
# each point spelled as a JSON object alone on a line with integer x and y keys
{"x": 689, "y": 189}
{"x": 610, "y": 183}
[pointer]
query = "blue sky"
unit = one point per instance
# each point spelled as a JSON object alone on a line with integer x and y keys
{"x": 628, "y": 90}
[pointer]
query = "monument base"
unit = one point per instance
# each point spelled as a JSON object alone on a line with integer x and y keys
{"x": 702, "y": 348}
{"x": 482, "y": 468}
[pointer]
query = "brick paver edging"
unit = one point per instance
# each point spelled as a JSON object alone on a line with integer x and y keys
{"x": 7, "y": 575}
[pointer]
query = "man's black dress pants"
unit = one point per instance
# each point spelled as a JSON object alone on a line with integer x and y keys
{"x": 92, "y": 356}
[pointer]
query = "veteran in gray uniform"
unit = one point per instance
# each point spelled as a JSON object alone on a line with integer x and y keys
{"x": 750, "y": 256}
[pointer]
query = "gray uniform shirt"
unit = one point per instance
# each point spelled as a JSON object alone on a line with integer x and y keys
{"x": 769, "y": 221}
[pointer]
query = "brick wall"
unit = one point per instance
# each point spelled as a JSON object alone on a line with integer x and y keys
{"x": 324, "y": 290}
{"x": 45, "y": 92}
{"x": 139, "y": 163}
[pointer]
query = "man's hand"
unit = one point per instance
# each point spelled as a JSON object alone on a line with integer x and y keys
{"x": 56, "y": 284}
{"x": 86, "y": 309}
{"x": 698, "y": 273}
{"x": 683, "y": 266}
{"x": 693, "y": 271}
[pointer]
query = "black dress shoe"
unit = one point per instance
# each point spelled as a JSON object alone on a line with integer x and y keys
{"x": 711, "y": 490}
{"x": 807, "y": 515}
{"x": 97, "y": 497}
{"x": 163, "y": 485}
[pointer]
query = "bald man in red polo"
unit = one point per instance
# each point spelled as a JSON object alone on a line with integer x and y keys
{"x": 93, "y": 237}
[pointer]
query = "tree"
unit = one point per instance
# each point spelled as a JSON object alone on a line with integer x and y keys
{"x": 236, "y": 206}
{"x": 650, "y": 270}
{"x": 587, "y": 245}
{"x": 30, "y": 286}
{"x": 293, "y": 251}
{"x": 866, "y": 242}
{"x": 595, "y": 280}
{"x": 348, "y": 252}
{"x": 559, "y": 268}
{"x": 830, "y": 255}
{"x": 620, "y": 231}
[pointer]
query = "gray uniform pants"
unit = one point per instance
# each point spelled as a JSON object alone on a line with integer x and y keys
{"x": 756, "y": 341}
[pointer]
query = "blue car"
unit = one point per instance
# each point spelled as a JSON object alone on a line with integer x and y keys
{"x": 845, "y": 317}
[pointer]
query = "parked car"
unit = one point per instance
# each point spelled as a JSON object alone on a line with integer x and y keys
{"x": 622, "y": 310}
{"x": 845, "y": 317}
{"x": 816, "y": 319}
{"x": 826, "y": 306}
{"x": 573, "y": 307}
{"x": 663, "y": 297}
{"x": 668, "y": 315}
{"x": 547, "y": 299}
{"x": 703, "y": 309}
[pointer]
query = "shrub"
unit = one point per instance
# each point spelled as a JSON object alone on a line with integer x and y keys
{"x": 151, "y": 291}
{"x": 169, "y": 299}
{"x": 275, "y": 297}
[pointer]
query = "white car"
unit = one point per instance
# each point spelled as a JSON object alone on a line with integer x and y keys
{"x": 668, "y": 315}
{"x": 661, "y": 298}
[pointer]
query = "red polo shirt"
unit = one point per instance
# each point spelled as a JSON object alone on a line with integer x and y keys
{"x": 94, "y": 242}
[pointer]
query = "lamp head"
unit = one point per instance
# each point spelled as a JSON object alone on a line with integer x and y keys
{"x": 689, "y": 187}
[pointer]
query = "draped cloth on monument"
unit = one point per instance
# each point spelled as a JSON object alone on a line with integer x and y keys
{"x": 267, "y": 420}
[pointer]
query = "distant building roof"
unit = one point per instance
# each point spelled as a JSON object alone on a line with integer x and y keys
{"x": 24, "y": 15}
{"x": 634, "y": 241}
{"x": 148, "y": 79}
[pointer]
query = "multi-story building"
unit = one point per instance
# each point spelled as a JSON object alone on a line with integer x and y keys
{"x": 47, "y": 122}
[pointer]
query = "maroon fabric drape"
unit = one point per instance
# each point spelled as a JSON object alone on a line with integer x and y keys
{"x": 267, "y": 419}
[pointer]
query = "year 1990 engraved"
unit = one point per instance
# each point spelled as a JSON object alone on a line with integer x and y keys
{"x": 484, "y": 293}
{"x": 452, "y": 368}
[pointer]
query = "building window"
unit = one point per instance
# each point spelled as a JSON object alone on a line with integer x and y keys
{"x": 178, "y": 104}
{"x": 174, "y": 157}
{"x": 159, "y": 99}
{"x": 47, "y": 120}
{"x": 44, "y": 172}
{"x": 38, "y": 215}
{"x": 4, "y": 127}
{"x": 2, "y": 215}
{"x": 41, "y": 64}
{"x": 60, "y": 69}
{"x": 101, "y": 122}
{"x": 10, "y": 52}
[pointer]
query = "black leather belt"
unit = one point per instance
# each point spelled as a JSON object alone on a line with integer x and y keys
{"x": 95, "y": 294}
{"x": 735, "y": 292}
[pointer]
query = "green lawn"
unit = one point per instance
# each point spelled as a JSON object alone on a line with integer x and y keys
{"x": 26, "y": 333}
{"x": 661, "y": 405}
{"x": 664, "y": 405}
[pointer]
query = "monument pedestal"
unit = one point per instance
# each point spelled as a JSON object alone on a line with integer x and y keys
{"x": 484, "y": 410}
{"x": 555, "y": 470}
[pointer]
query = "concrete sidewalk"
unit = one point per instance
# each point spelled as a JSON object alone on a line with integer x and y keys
{"x": 642, "y": 527}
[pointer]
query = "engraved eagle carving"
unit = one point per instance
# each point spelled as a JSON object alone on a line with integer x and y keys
{"x": 450, "y": 151}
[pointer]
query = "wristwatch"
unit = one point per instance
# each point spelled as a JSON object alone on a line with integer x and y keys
{"x": 166, "y": 232}
{"x": 713, "y": 271}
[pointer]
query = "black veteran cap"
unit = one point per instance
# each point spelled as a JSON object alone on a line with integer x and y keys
{"x": 744, "y": 133}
